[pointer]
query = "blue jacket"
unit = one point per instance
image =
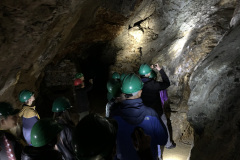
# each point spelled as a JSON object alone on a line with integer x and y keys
{"x": 130, "y": 114}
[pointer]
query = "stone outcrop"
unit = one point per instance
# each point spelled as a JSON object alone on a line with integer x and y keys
{"x": 214, "y": 101}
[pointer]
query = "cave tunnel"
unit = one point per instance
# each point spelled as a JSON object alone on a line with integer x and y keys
{"x": 59, "y": 78}
{"x": 43, "y": 44}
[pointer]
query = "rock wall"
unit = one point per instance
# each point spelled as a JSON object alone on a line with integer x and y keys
{"x": 214, "y": 101}
{"x": 61, "y": 74}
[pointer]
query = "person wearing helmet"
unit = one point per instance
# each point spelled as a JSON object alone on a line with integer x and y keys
{"x": 79, "y": 76}
{"x": 28, "y": 113}
{"x": 132, "y": 113}
{"x": 60, "y": 108}
{"x": 95, "y": 138}
{"x": 44, "y": 137}
{"x": 163, "y": 97}
{"x": 153, "y": 75}
{"x": 116, "y": 76}
{"x": 81, "y": 97}
{"x": 151, "y": 88}
{"x": 10, "y": 146}
{"x": 151, "y": 91}
{"x": 113, "y": 95}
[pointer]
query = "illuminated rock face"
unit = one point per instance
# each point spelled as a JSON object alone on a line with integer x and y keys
{"x": 214, "y": 101}
{"x": 179, "y": 35}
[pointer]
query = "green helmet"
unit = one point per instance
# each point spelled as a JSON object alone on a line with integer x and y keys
{"x": 6, "y": 109}
{"x": 25, "y": 95}
{"x": 44, "y": 131}
{"x": 109, "y": 96}
{"x": 131, "y": 83}
{"x": 78, "y": 75}
{"x": 123, "y": 75}
{"x": 115, "y": 75}
{"x": 101, "y": 137}
{"x": 114, "y": 87}
{"x": 153, "y": 74}
{"x": 60, "y": 104}
{"x": 144, "y": 69}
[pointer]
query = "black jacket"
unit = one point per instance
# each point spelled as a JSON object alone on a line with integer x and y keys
{"x": 82, "y": 102}
{"x": 8, "y": 141}
{"x": 41, "y": 153}
{"x": 150, "y": 92}
{"x": 65, "y": 143}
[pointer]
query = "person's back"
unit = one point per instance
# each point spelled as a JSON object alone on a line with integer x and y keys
{"x": 132, "y": 113}
{"x": 44, "y": 135}
{"x": 151, "y": 88}
{"x": 60, "y": 108}
{"x": 28, "y": 113}
{"x": 81, "y": 97}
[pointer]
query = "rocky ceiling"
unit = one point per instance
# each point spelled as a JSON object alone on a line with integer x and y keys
{"x": 197, "y": 42}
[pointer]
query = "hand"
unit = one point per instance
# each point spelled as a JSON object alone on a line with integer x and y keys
{"x": 157, "y": 67}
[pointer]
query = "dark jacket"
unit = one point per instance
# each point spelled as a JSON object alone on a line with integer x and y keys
{"x": 65, "y": 143}
{"x": 130, "y": 114}
{"x": 82, "y": 102}
{"x": 8, "y": 141}
{"x": 41, "y": 153}
{"x": 150, "y": 91}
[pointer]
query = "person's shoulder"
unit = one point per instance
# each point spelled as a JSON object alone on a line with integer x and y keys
{"x": 149, "y": 111}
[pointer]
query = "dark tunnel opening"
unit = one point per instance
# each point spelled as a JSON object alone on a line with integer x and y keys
{"x": 59, "y": 78}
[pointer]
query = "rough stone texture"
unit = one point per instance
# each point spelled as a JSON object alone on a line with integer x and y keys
{"x": 61, "y": 74}
{"x": 177, "y": 34}
{"x": 214, "y": 101}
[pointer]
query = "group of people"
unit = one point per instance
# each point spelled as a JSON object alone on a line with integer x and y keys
{"x": 135, "y": 102}
{"x": 133, "y": 128}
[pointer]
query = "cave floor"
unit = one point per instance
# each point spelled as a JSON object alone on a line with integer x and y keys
{"x": 181, "y": 152}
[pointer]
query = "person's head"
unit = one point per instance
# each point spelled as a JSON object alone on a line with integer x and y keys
{"x": 26, "y": 97}
{"x": 95, "y": 138}
{"x": 45, "y": 132}
{"x": 79, "y": 76}
{"x": 153, "y": 74}
{"x": 8, "y": 116}
{"x": 116, "y": 76}
{"x": 78, "y": 83}
{"x": 132, "y": 86}
{"x": 114, "y": 88}
{"x": 60, "y": 108}
{"x": 145, "y": 70}
{"x": 61, "y": 104}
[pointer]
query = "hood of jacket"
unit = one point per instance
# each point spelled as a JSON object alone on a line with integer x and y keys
{"x": 145, "y": 79}
{"x": 131, "y": 110}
